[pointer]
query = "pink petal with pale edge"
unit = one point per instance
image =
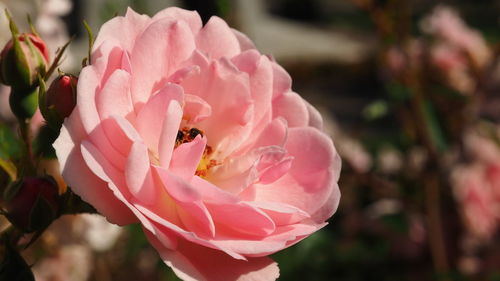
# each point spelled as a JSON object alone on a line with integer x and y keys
{"x": 194, "y": 263}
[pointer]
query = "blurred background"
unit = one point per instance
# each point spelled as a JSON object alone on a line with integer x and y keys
{"x": 409, "y": 92}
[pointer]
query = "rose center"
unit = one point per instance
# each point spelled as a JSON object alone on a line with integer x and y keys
{"x": 189, "y": 134}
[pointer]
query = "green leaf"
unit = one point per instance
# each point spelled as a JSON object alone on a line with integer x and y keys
{"x": 376, "y": 110}
{"x": 398, "y": 91}
{"x": 9, "y": 168}
{"x": 433, "y": 126}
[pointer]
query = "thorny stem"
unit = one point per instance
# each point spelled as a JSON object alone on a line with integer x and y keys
{"x": 435, "y": 224}
{"x": 411, "y": 78}
{"x": 432, "y": 185}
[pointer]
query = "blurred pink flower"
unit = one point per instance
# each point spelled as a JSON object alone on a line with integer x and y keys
{"x": 389, "y": 160}
{"x": 190, "y": 131}
{"x": 97, "y": 232}
{"x": 454, "y": 66}
{"x": 447, "y": 26}
{"x": 473, "y": 191}
{"x": 353, "y": 152}
{"x": 72, "y": 262}
{"x": 398, "y": 59}
{"x": 477, "y": 186}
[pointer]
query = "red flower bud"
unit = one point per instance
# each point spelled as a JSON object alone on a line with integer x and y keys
{"x": 22, "y": 59}
{"x": 31, "y": 203}
{"x": 59, "y": 100}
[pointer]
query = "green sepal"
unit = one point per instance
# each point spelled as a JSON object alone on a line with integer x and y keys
{"x": 23, "y": 103}
{"x": 73, "y": 204}
{"x": 91, "y": 41}
{"x": 12, "y": 25}
{"x": 41, "y": 215}
{"x": 32, "y": 27}
{"x": 58, "y": 57}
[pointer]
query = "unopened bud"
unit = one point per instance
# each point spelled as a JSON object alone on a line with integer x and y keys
{"x": 22, "y": 60}
{"x": 59, "y": 100}
{"x": 31, "y": 203}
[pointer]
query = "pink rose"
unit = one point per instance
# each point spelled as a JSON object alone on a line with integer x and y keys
{"x": 190, "y": 131}
{"x": 445, "y": 23}
{"x": 473, "y": 190}
{"x": 477, "y": 185}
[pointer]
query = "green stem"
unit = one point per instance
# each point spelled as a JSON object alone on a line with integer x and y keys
{"x": 24, "y": 127}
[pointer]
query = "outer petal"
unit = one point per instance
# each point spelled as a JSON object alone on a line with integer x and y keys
{"x": 282, "y": 82}
{"x": 217, "y": 40}
{"x": 190, "y": 17}
{"x": 245, "y": 42}
{"x": 293, "y": 108}
{"x": 124, "y": 29}
{"x": 315, "y": 119}
{"x": 84, "y": 183}
{"x": 196, "y": 263}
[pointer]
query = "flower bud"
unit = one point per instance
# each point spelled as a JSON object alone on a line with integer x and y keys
{"x": 59, "y": 100}
{"x": 22, "y": 59}
{"x": 31, "y": 203}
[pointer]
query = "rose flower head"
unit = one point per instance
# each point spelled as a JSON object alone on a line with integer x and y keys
{"x": 190, "y": 131}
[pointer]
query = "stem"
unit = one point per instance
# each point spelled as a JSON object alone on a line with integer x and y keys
{"x": 434, "y": 222}
{"x": 24, "y": 127}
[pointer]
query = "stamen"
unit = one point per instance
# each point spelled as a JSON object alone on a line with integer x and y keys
{"x": 185, "y": 135}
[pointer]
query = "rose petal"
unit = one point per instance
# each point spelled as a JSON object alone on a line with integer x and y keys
{"x": 217, "y": 40}
{"x": 192, "y": 262}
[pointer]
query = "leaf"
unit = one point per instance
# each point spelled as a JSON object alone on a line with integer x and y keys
{"x": 9, "y": 168}
{"x": 398, "y": 92}
{"x": 433, "y": 126}
{"x": 376, "y": 110}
